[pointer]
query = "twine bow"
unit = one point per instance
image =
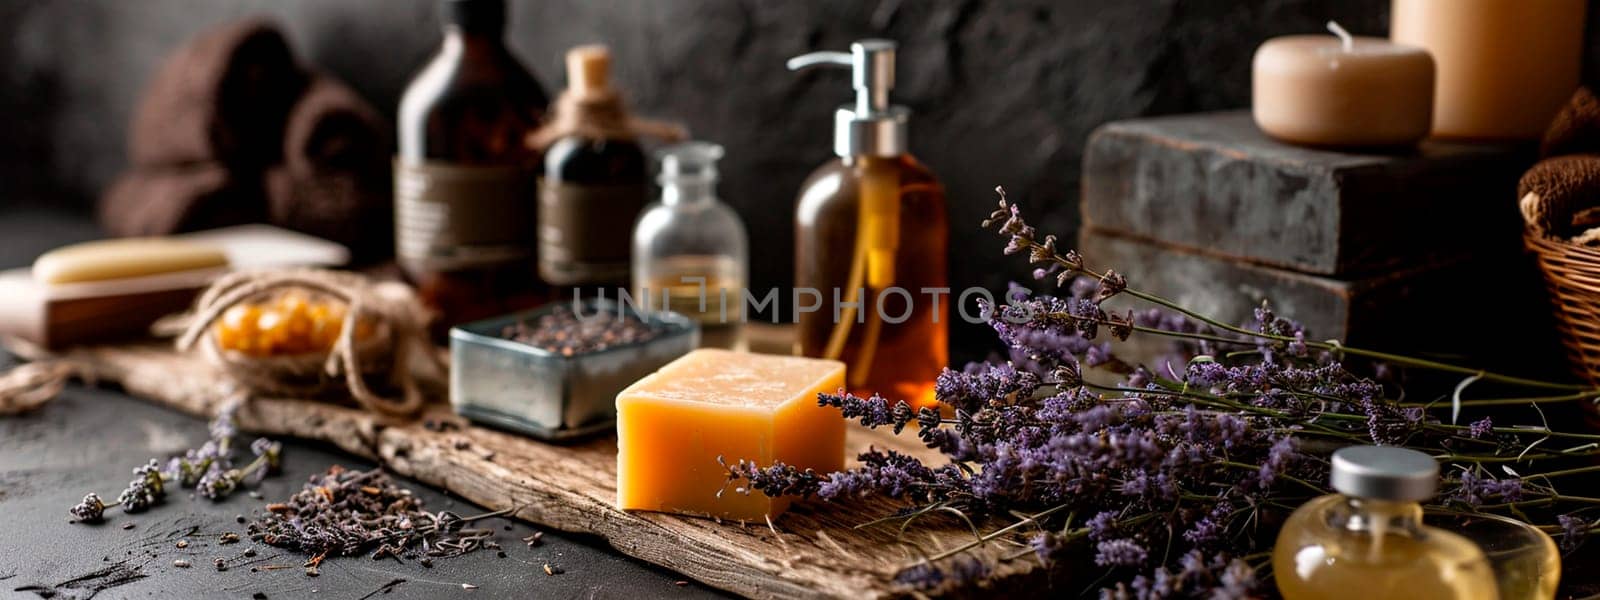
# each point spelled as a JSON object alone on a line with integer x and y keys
{"x": 600, "y": 115}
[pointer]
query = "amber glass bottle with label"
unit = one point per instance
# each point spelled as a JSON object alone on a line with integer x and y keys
{"x": 465, "y": 199}
{"x": 595, "y": 182}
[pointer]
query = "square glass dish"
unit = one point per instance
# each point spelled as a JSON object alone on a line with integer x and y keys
{"x": 516, "y": 386}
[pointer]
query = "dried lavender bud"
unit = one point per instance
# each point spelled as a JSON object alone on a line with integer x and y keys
{"x": 217, "y": 484}
{"x": 776, "y": 480}
{"x": 1481, "y": 429}
{"x": 90, "y": 510}
{"x": 136, "y": 497}
{"x": 566, "y": 333}
{"x": 1111, "y": 284}
{"x": 270, "y": 451}
{"x": 872, "y": 412}
{"x": 347, "y": 513}
{"x": 1044, "y": 252}
{"x": 1122, "y": 552}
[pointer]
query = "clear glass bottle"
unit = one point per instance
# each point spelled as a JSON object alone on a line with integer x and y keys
{"x": 1368, "y": 540}
{"x": 871, "y": 235}
{"x": 464, "y": 178}
{"x": 690, "y": 251}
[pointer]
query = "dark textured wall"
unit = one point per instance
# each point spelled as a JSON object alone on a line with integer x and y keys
{"x": 1004, "y": 92}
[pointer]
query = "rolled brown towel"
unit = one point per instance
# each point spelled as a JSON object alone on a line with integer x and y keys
{"x": 349, "y": 208}
{"x": 221, "y": 97}
{"x": 159, "y": 201}
{"x": 334, "y": 182}
{"x": 1576, "y": 129}
{"x": 331, "y": 129}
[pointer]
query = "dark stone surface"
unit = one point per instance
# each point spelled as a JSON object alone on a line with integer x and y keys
{"x": 1214, "y": 182}
{"x": 89, "y": 439}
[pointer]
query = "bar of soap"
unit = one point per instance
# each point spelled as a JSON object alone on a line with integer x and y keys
{"x": 673, "y": 424}
{"x": 123, "y": 258}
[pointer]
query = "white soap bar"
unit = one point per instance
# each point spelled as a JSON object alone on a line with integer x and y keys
{"x": 123, "y": 258}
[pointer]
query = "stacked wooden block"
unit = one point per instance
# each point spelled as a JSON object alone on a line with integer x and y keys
{"x": 1417, "y": 250}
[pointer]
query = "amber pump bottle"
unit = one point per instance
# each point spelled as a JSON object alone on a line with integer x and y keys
{"x": 870, "y": 241}
{"x": 464, "y": 178}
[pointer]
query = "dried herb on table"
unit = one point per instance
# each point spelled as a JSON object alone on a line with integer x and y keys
{"x": 1170, "y": 477}
{"x": 567, "y": 333}
{"x": 345, "y": 513}
{"x": 208, "y": 469}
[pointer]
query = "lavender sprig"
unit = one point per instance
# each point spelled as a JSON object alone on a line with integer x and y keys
{"x": 208, "y": 469}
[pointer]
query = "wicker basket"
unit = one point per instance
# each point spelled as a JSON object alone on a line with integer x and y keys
{"x": 1572, "y": 274}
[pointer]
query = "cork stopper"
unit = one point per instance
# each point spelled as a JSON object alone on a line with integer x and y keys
{"x": 589, "y": 70}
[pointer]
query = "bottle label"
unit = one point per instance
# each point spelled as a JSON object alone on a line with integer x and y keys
{"x": 585, "y": 231}
{"x": 451, "y": 217}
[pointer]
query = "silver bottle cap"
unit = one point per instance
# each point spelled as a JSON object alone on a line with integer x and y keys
{"x": 871, "y": 126}
{"x": 1384, "y": 473}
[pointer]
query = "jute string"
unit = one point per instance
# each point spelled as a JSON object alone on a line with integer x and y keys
{"x": 399, "y": 333}
{"x": 600, "y": 116}
{"x": 30, "y": 385}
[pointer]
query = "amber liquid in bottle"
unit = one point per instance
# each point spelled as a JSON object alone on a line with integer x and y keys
{"x": 842, "y": 245}
{"x": 1338, "y": 547}
{"x": 708, "y": 289}
{"x": 465, "y": 178}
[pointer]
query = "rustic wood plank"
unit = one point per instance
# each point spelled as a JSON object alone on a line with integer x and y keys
{"x": 813, "y": 551}
{"x": 1213, "y": 181}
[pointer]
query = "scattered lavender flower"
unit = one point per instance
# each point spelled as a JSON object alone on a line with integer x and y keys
{"x": 209, "y": 469}
{"x": 344, "y": 513}
{"x": 90, "y": 510}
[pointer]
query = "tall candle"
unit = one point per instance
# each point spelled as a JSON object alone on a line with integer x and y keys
{"x": 1328, "y": 90}
{"x": 1505, "y": 66}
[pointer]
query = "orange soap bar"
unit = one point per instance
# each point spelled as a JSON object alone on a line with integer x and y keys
{"x": 673, "y": 424}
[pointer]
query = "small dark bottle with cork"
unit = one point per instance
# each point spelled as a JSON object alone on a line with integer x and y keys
{"x": 596, "y": 179}
{"x": 465, "y": 177}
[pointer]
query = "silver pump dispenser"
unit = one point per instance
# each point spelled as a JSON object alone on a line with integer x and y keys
{"x": 872, "y": 126}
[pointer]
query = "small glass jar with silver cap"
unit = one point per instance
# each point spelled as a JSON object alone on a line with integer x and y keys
{"x": 1369, "y": 541}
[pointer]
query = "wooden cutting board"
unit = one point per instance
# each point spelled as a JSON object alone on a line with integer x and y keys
{"x": 816, "y": 550}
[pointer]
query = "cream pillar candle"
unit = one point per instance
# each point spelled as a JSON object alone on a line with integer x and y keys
{"x": 1340, "y": 90}
{"x": 1505, "y": 66}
